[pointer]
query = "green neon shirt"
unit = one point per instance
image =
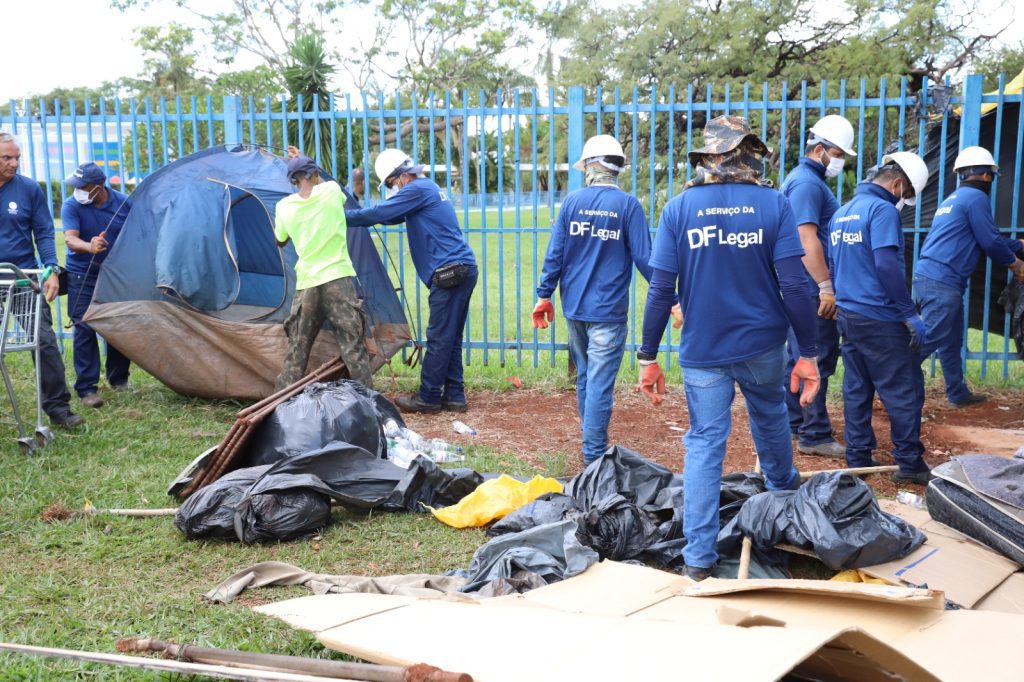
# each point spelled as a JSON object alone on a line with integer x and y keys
{"x": 316, "y": 226}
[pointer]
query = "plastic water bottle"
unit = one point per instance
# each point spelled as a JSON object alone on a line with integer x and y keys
{"x": 910, "y": 499}
{"x": 392, "y": 429}
{"x": 441, "y": 451}
{"x": 401, "y": 454}
{"x": 462, "y": 428}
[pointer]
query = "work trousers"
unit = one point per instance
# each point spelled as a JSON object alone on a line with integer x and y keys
{"x": 877, "y": 358}
{"x": 86, "y": 341}
{"x": 596, "y": 348}
{"x": 812, "y": 424}
{"x": 709, "y": 395}
{"x": 942, "y": 309}
{"x": 338, "y": 303}
{"x": 441, "y": 373}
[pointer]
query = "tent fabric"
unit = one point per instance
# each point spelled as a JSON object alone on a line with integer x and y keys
{"x": 195, "y": 288}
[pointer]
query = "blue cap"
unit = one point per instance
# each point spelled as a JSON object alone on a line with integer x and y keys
{"x": 301, "y": 164}
{"x": 87, "y": 174}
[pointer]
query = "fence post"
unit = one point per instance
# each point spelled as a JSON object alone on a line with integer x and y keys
{"x": 970, "y": 113}
{"x": 232, "y": 127}
{"x": 575, "y": 135}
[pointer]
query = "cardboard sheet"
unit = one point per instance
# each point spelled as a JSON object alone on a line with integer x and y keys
{"x": 975, "y": 439}
{"x": 1007, "y": 598}
{"x": 963, "y": 569}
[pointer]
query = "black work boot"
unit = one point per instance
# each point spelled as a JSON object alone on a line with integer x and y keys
{"x": 696, "y": 573}
{"x": 919, "y": 477}
{"x": 411, "y": 402}
{"x": 453, "y": 405}
{"x": 971, "y": 399}
{"x": 66, "y": 420}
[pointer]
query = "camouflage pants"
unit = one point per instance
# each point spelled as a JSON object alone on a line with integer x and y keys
{"x": 337, "y": 302}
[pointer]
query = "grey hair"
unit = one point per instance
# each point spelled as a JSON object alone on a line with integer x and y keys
{"x": 7, "y": 137}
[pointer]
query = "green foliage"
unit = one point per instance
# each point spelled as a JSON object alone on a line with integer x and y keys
{"x": 306, "y": 76}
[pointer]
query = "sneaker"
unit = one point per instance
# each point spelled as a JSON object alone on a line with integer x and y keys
{"x": 410, "y": 402}
{"x": 67, "y": 420}
{"x": 125, "y": 387}
{"x": 92, "y": 400}
{"x": 830, "y": 449}
{"x": 696, "y": 573}
{"x": 971, "y": 399}
{"x": 454, "y": 406}
{"x": 920, "y": 477}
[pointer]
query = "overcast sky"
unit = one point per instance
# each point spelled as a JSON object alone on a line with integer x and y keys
{"x": 69, "y": 43}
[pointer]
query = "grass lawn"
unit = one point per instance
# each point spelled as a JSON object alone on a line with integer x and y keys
{"x": 83, "y": 584}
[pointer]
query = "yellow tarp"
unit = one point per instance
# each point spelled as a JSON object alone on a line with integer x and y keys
{"x": 494, "y": 499}
{"x": 854, "y": 576}
{"x": 1012, "y": 87}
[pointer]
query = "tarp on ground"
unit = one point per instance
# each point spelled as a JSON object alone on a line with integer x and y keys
{"x": 195, "y": 289}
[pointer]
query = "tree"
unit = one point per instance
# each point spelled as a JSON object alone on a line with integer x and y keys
{"x": 169, "y": 65}
{"x": 306, "y": 75}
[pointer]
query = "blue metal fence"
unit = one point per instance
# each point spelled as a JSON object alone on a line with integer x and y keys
{"x": 505, "y": 157}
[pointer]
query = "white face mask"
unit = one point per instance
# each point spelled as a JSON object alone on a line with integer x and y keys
{"x": 900, "y": 204}
{"x": 835, "y": 166}
{"x": 83, "y": 197}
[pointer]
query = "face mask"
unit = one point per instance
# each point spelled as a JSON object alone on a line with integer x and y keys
{"x": 900, "y": 204}
{"x": 835, "y": 166}
{"x": 83, "y": 197}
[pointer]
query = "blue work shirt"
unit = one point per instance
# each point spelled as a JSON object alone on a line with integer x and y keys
{"x": 962, "y": 229}
{"x": 431, "y": 226}
{"x": 812, "y": 202}
{"x": 869, "y": 221}
{"x": 599, "y": 234}
{"x": 89, "y": 220}
{"x": 723, "y": 240}
{"x": 24, "y": 217}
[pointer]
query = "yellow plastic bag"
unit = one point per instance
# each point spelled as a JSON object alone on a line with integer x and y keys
{"x": 494, "y": 499}
{"x": 852, "y": 575}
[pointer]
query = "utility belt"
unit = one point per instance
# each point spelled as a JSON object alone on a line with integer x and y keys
{"x": 450, "y": 276}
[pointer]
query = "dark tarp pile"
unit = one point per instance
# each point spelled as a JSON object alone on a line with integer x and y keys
{"x": 270, "y": 502}
{"x": 195, "y": 289}
{"x": 324, "y": 413}
{"x": 1012, "y": 300}
{"x": 982, "y": 496}
{"x": 834, "y": 514}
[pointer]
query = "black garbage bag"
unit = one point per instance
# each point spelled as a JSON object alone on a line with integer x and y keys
{"x": 620, "y": 471}
{"x": 210, "y": 511}
{"x": 833, "y": 514}
{"x": 548, "y": 508}
{"x": 617, "y": 529}
{"x": 427, "y": 485}
{"x": 1012, "y": 300}
{"x": 737, "y": 488}
{"x": 272, "y": 517}
{"x": 324, "y": 413}
{"x": 550, "y": 552}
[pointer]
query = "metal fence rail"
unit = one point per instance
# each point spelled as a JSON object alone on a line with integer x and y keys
{"x": 504, "y": 158}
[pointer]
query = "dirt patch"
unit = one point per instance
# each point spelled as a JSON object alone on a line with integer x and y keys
{"x": 530, "y": 423}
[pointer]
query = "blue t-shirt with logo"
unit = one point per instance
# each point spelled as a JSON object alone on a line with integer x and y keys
{"x": 812, "y": 202}
{"x": 24, "y": 217}
{"x": 89, "y": 220}
{"x": 599, "y": 234}
{"x": 431, "y": 226}
{"x": 722, "y": 240}
{"x": 869, "y": 221}
{"x": 961, "y": 230}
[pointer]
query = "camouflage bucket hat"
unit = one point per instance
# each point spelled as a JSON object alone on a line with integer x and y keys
{"x": 725, "y": 133}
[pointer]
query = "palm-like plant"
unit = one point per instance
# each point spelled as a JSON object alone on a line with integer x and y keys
{"x": 307, "y": 73}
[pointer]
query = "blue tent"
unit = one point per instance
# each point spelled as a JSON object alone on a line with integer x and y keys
{"x": 195, "y": 289}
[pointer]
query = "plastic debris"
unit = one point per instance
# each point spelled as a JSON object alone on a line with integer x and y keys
{"x": 405, "y": 445}
{"x": 464, "y": 429}
{"x": 494, "y": 499}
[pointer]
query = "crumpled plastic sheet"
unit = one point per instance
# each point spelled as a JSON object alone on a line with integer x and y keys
{"x": 493, "y": 499}
{"x": 324, "y": 413}
{"x": 833, "y": 514}
{"x": 550, "y": 552}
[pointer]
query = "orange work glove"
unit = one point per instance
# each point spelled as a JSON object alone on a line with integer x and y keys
{"x": 652, "y": 381}
{"x": 543, "y": 313}
{"x": 805, "y": 370}
{"x": 677, "y": 316}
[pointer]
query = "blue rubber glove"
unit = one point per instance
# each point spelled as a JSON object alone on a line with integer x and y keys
{"x": 915, "y": 325}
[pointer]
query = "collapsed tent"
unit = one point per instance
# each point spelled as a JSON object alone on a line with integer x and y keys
{"x": 999, "y": 131}
{"x": 195, "y": 290}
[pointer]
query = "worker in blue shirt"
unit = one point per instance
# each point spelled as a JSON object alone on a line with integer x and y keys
{"x": 830, "y": 142}
{"x": 882, "y": 331}
{"x": 961, "y": 231}
{"x": 600, "y": 233}
{"x": 25, "y": 227}
{"x": 444, "y": 263}
{"x": 733, "y": 247}
{"x": 92, "y": 218}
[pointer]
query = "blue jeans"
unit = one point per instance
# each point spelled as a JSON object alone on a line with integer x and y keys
{"x": 942, "y": 309}
{"x": 709, "y": 395}
{"x": 811, "y": 423}
{"x": 86, "y": 343}
{"x": 877, "y": 358}
{"x": 596, "y": 348}
{"x": 441, "y": 374}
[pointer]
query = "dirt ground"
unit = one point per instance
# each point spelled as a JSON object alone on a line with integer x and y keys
{"x": 533, "y": 422}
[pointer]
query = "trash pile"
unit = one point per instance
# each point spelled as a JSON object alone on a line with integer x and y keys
{"x": 404, "y": 445}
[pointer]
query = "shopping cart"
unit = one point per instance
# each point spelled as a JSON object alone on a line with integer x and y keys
{"x": 22, "y": 299}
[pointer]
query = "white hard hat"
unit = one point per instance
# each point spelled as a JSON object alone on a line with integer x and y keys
{"x": 391, "y": 162}
{"x": 835, "y": 130}
{"x": 975, "y": 156}
{"x": 914, "y": 167}
{"x": 599, "y": 145}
